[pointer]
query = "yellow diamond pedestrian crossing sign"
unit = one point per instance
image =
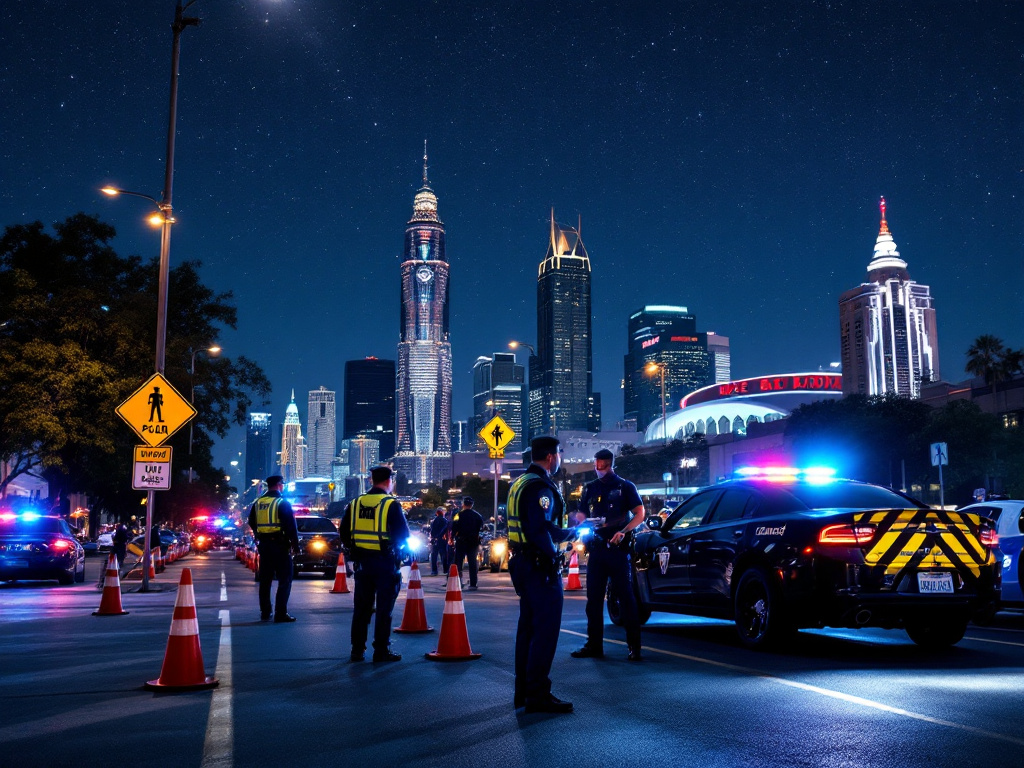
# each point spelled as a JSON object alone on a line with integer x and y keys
{"x": 156, "y": 410}
{"x": 497, "y": 434}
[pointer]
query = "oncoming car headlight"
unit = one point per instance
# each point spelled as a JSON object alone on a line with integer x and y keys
{"x": 319, "y": 545}
{"x": 498, "y": 548}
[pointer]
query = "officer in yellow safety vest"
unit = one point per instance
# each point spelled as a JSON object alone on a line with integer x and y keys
{"x": 535, "y": 513}
{"x": 273, "y": 523}
{"x": 374, "y": 531}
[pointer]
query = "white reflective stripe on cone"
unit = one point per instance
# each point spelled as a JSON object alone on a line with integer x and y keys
{"x": 454, "y": 606}
{"x": 186, "y": 597}
{"x": 184, "y": 627}
{"x": 414, "y": 594}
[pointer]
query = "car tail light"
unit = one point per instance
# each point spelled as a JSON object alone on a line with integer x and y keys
{"x": 846, "y": 534}
{"x": 988, "y": 538}
{"x": 61, "y": 545}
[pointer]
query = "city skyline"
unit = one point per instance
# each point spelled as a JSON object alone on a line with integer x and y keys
{"x": 731, "y": 165}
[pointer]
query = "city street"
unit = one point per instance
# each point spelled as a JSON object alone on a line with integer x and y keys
{"x": 71, "y": 688}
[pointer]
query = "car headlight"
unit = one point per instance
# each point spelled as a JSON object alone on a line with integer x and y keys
{"x": 498, "y": 549}
{"x": 318, "y": 546}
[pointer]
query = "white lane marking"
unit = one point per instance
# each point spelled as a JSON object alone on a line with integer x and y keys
{"x": 823, "y": 692}
{"x": 997, "y": 642}
{"x": 223, "y": 587}
{"x": 218, "y": 748}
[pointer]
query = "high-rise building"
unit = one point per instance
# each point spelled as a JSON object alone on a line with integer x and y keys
{"x": 293, "y": 445}
{"x": 498, "y": 388}
{"x": 370, "y": 402}
{"x": 561, "y": 381}
{"x": 424, "y": 379}
{"x": 258, "y": 448}
{"x": 363, "y": 455}
{"x": 321, "y": 432}
{"x": 666, "y": 336}
{"x": 463, "y": 440}
{"x": 888, "y": 335}
{"x": 719, "y": 358}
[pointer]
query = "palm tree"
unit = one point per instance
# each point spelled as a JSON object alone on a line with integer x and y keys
{"x": 985, "y": 357}
{"x": 1012, "y": 362}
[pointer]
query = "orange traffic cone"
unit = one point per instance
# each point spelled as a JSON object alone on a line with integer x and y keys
{"x": 340, "y": 582}
{"x": 183, "y": 659}
{"x": 152, "y": 564}
{"x": 574, "y": 573}
{"x": 414, "y": 620}
{"x": 453, "y": 643}
{"x": 110, "y": 602}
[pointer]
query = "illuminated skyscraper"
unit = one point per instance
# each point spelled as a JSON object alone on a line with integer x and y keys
{"x": 668, "y": 336}
{"x": 498, "y": 384}
{"x": 293, "y": 446}
{"x": 424, "y": 380}
{"x": 719, "y": 358}
{"x": 321, "y": 432}
{"x": 561, "y": 385}
{"x": 258, "y": 453}
{"x": 888, "y": 335}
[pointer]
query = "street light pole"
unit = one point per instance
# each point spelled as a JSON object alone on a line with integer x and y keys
{"x": 529, "y": 370}
{"x": 660, "y": 368}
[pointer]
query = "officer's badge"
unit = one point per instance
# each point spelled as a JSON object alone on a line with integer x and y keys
{"x": 545, "y": 502}
{"x": 663, "y": 556}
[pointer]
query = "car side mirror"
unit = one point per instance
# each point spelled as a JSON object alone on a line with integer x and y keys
{"x": 654, "y": 523}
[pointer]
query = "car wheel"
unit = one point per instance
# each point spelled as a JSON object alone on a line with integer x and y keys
{"x": 761, "y": 621}
{"x": 936, "y": 632}
{"x": 615, "y": 609}
{"x": 66, "y": 578}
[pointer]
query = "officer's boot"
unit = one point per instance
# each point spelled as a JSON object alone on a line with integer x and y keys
{"x": 633, "y": 643}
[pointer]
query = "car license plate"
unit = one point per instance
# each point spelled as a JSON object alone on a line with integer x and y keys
{"x": 8, "y": 563}
{"x": 935, "y": 583}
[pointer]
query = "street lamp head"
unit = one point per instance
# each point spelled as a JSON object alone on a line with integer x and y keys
{"x": 156, "y": 219}
{"x": 652, "y": 368}
{"x": 213, "y": 350}
{"x": 111, "y": 191}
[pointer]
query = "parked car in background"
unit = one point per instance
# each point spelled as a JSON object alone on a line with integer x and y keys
{"x": 1009, "y": 517}
{"x": 34, "y": 546}
{"x": 319, "y": 545}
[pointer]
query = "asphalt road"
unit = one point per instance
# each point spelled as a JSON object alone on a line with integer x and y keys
{"x": 71, "y": 689}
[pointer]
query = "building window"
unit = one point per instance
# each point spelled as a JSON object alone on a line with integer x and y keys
{"x": 1011, "y": 420}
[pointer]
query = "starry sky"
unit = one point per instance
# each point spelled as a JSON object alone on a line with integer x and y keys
{"x": 725, "y": 156}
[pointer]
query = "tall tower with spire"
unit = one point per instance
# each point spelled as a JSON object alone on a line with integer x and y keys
{"x": 888, "y": 335}
{"x": 293, "y": 446}
{"x": 562, "y": 393}
{"x": 423, "y": 392}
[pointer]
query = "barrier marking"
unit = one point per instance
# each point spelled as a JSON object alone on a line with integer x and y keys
{"x": 218, "y": 748}
{"x": 223, "y": 587}
{"x": 858, "y": 700}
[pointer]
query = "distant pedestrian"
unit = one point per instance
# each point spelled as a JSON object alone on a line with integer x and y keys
{"x": 535, "y": 510}
{"x": 273, "y": 523}
{"x": 375, "y": 531}
{"x": 466, "y": 528}
{"x": 119, "y": 541}
{"x": 616, "y": 507}
{"x": 438, "y": 541}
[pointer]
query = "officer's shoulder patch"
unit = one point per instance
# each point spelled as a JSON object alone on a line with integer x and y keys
{"x": 545, "y": 501}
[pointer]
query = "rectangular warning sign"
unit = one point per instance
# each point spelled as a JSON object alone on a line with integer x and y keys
{"x": 152, "y": 468}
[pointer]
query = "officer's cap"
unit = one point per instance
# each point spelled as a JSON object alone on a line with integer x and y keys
{"x": 604, "y": 455}
{"x": 381, "y": 474}
{"x": 542, "y": 447}
{"x": 274, "y": 480}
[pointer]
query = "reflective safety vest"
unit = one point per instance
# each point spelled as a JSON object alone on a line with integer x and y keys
{"x": 515, "y": 529}
{"x": 267, "y": 518}
{"x": 368, "y": 521}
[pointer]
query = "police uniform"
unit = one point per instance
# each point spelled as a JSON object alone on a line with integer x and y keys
{"x": 612, "y": 498}
{"x": 273, "y": 522}
{"x": 373, "y": 530}
{"x": 466, "y": 526}
{"x": 535, "y": 513}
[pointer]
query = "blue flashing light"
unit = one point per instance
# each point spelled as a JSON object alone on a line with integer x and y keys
{"x": 220, "y": 522}
{"x": 585, "y": 531}
{"x": 30, "y": 516}
{"x": 413, "y": 544}
{"x": 817, "y": 475}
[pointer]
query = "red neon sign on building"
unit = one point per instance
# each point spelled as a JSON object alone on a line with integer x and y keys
{"x": 766, "y": 385}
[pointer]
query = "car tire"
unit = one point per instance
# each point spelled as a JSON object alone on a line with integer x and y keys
{"x": 937, "y": 632}
{"x": 66, "y": 578}
{"x": 761, "y": 620}
{"x": 614, "y": 612}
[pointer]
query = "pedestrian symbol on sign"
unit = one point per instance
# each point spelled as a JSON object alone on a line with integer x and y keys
{"x": 156, "y": 401}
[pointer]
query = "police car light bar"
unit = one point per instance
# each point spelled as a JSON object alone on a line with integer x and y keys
{"x": 812, "y": 474}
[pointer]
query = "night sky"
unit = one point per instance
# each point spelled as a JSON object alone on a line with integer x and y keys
{"x": 724, "y": 156}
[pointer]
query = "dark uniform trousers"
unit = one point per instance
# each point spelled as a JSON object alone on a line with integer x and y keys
{"x": 471, "y": 551}
{"x": 610, "y": 564}
{"x": 275, "y": 563}
{"x": 377, "y": 580}
{"x": 539, "y": 586}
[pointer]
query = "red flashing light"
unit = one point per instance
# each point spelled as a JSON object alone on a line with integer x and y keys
{"x": 61, "y": 544}
{"x": 845, "y": 534}
{"x": 988, "y": 538}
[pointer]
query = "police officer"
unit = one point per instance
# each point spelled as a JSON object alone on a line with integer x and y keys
{"x": 535, "y": 509}
{"x": 374, "y": 530}
{"x": 273, "y": 523}
{"x": 616, "y": 501}
{"x": 466, "y": 527}
{"x": 438, "y": 544}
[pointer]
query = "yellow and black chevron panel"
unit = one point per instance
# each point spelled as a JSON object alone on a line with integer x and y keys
{"x": 918, "y": 539}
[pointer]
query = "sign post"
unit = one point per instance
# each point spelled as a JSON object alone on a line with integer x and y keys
{"x": 940, "y": 457}
{"x": 156, "y": 410}
{"x": 496, "y": 434}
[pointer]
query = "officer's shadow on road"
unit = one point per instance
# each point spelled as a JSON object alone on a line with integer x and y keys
{"x": 826, "y": 650}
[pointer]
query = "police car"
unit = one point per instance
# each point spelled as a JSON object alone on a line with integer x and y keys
{"x": 779, "y": 549}
{"x": 1009, "y": 519}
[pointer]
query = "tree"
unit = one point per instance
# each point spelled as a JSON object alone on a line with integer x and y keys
{"x": 76, "y": 338}
{"x": 985, "y": 358}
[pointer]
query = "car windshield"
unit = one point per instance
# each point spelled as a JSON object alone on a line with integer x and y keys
{"x": 32, "y": 526}
{"x": 315, "y": 525}
{"x": 836, "y": 495}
